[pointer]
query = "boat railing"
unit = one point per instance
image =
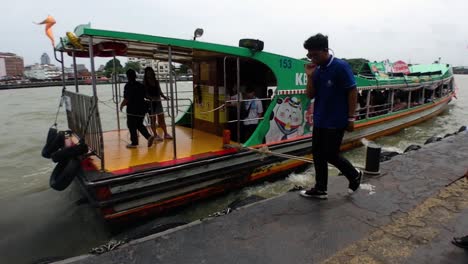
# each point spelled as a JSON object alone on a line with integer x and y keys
{"x": 84, "y": 121}
{"x": 373, "y": 110}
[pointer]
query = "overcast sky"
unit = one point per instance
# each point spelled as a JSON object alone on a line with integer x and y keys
{"x": 416, "y": 31}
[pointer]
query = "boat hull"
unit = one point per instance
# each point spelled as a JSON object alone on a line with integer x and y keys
{"x": 158, "y": 190}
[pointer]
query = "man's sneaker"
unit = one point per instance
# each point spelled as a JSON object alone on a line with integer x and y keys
{"x": 314, "y": 193}
{"x": 461, "y": 242}
{"x": 354, "y": 186}
{"x": 132, "y": 146}
{"x": 150, "y": 141}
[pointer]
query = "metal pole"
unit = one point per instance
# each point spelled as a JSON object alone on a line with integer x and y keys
{"x": 95, "y": 97}
{"x": 226, "y": 112}
{"x": 409, "y": 99}
{"x": 392, "y": 100}
{"x": 93, "y": 72}
{"x": 167, "y": 92}
{"x": 114, "y": 75}
{"x": 238, "y": 99}
{"x": 368, "y": 103}
{"x": 75, "y": 72}
{"x": 176, "y": 93}
{"x": 423, "y": 95}
{"x": 63, "y": 70}
{"x": 174, "y": 141}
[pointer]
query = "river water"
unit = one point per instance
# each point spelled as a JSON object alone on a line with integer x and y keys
{"x": 37, "y": 222}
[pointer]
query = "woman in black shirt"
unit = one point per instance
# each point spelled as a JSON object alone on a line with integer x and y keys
{"x": 154, "y": 94}
{"x": 134, "y": 99}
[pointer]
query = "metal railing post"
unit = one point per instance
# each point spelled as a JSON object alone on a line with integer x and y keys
{"x": 226, "y": 113}
{"x": 409, "y": 99}
{"x": 93, "y": 72}
{"x": 174, "y": 141}
{"x": 75, "y": 73}
{"x": 95, "y": 101}
{"x": 63, "y": 70}
{"x": 114, "y": 83}
{"x": 423, "y": 94}
{"x": 238, "y": 99}
{"x": 392, "y": 100}
{"x": 368, "y": 103}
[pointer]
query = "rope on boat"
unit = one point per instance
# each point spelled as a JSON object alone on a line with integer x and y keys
{"x": 264, "y": 150}
{"x": 204, "y": 112}
{"x": 58, "y": 108}
{"x": 186, "y": 112}
{"x": 109, "y": 246}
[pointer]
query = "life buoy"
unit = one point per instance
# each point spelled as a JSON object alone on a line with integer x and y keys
{"x": 64, "y": 173}
{"x": 74, "y": 40}
{"x": 55, "y": 141}
{"x": 69, "y": 152}
{"x": 110, "y": 49}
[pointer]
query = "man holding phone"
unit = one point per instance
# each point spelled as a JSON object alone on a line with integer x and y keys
{"x": 331, "y": 82}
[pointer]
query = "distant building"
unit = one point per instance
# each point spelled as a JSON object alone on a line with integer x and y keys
{"x": 79, "y": 67}
{"x": 45, "y": 59}
{"x": 11, "y": 66}
{"x": 42, "y": 72}
{"x": 460, "y": 70}
{"x": 159, "y": 67}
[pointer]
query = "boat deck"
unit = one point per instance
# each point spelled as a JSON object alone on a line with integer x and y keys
{"x": 119, "y": 158}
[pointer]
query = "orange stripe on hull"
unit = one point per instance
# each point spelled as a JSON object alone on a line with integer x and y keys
{"x": 203, "y": 193}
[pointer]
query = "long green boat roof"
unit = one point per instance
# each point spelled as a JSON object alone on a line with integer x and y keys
{"x": 289, "y": 72}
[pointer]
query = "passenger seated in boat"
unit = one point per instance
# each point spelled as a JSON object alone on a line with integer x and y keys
{"x": 362, "y": 105}
{"x": 154, "y": 94}
{"x": 399, "y": 105}
{"x": 416, "y": 99}
{"x": 428, "y": 96}
{"x": 232, "y": 112}
{"x": 270, "y": 93}
{"x": 134, "y": 100}
{"x": 254, "y": 110}
{"x": 266, "y": 103}
{"x": 377, "y": 103}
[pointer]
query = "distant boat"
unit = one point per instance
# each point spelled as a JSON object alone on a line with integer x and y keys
{"x": 201, "y": 160}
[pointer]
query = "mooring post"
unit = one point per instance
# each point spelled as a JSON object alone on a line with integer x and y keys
{"x": 373, "y": 159}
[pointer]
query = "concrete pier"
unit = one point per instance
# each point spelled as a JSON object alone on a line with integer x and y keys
{"x": 408, "y": 214}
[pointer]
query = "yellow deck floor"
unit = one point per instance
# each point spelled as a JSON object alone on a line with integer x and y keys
{"x": 118, "y": 157}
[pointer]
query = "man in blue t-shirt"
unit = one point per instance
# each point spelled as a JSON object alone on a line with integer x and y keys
{"x": 331, "y": 82}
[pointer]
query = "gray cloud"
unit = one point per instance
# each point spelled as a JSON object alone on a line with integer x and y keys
{"x": 419, "y": 31}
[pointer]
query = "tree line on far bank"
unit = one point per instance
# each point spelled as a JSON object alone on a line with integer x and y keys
{"x": 355, "y": 63}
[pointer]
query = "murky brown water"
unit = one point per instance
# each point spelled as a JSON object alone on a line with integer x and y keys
{"x": 36, "y": 222}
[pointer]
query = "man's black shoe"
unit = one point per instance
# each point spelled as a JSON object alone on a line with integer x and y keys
{"x": 354, "y": 186}
{"x": 314, "y": 193}
{"x": 461, "y": 242}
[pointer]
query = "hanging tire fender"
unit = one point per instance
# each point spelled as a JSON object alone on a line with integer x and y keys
{"x": 64, "y": 173}
{"x": 55, "y": 140}
{"x": 67, "y": 153}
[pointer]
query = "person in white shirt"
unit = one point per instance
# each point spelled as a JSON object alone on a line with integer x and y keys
{"x": 254, "y": 110}
{"x": 231, "y": 106}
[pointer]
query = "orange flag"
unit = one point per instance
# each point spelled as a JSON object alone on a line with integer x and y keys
{"x": 49, "y": 22}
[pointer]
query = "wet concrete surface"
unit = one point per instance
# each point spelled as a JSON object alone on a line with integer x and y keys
{"x": 405, "y": 215}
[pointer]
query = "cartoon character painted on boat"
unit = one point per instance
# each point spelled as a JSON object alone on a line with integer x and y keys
{"x": 286, "y": 120}
{"x": 309, "y": 117}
